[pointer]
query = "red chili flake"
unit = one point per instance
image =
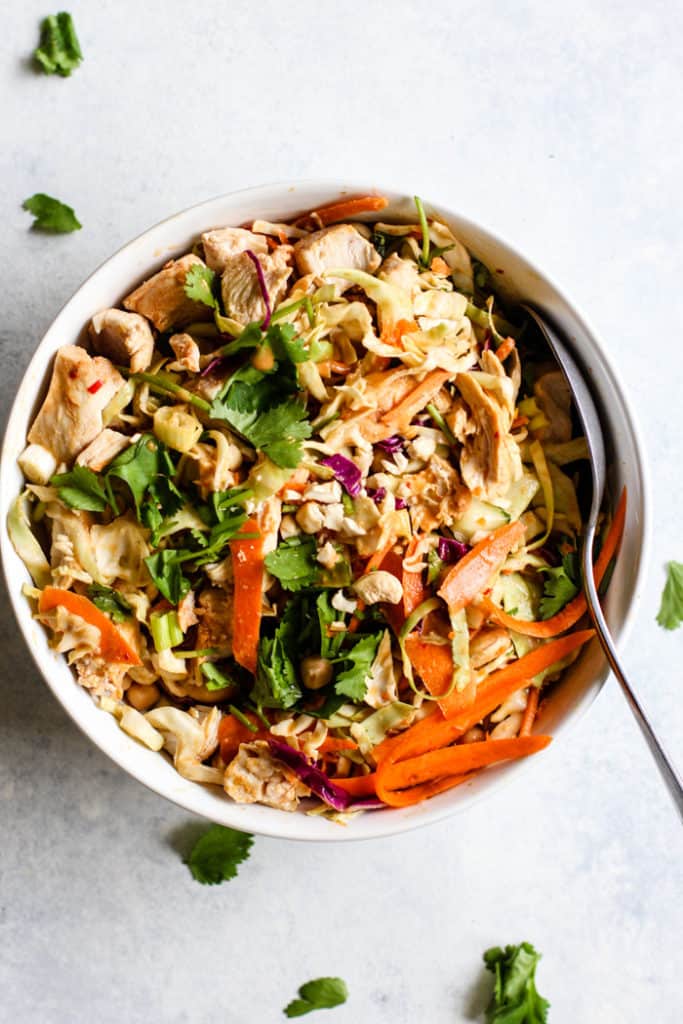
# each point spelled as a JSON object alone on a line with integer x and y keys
{"x": 94, "y": 387}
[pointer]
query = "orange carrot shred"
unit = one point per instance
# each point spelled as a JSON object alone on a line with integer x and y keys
{"x": 472, "y": 573}
{"x": 113, "y": 645}
{"x": 247, "y": 567}
{"x": 529, "y": 711}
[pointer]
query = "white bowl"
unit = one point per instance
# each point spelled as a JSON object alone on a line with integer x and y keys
{"x": 519, "y": 280}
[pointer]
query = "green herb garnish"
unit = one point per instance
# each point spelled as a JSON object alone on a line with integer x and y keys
{"x": 320, "y": 994}
{"x": 51, "y": 215}
{"x": 515, "y": 999}
{"x": 110, "y": 602}
{"x": 217, "y": 854}
{"x": 59, "y": 52}
{"x": 670, "y": 613}
{"x": 80, "y": 488}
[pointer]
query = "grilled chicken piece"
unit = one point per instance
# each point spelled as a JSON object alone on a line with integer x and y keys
{"x": 71, "y": 415}
{"x": 554, "y": 397}
{"x": 436, "y": 496}
{"x": 240, "y": 285}
{"x": 214, "y": 611}
{"x": 125, "y": 338}
{"x": 186, "y": 352}
{"x": 162, "y": 298}
{"x": 402, "y": 273}
{"x": 338, "y": 246}
{"x": 221, "y": 244}
{"x": 490, "y": 460}
{"x": 102, "y": 450}
{"x": 255, "y": 776}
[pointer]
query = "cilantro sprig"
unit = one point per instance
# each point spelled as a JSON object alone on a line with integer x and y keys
{"x": 199, "y": 285}
{"x": 51, "y": 215}
{"x": 352, "y": 681}
{"x": 560, "y": 586}
{"x": 81, "y": 488}
{"x": 110, "y": 602}
{"x": 319, "y": 994}
{"x": 670, "y": 613}
{"x": 515, "y": 999}
{"x": 217, "y": 854}
{"x": 59, "y": 51}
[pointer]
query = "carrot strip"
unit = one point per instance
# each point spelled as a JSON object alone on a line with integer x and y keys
{"x": 434, "y": 664}
{"x": 435, "y": 731}
{"x": 572, "y": 612}
{"x": 414, "y": 590}
{"x": 398, "y": 418}
{"x": 392, "y": 333}
{"x": 440, "y": 267}
{"x": 113, "y": 646}
{"x": 472, "y": 573}
{"x": 247, "y": 567}
{"x": 334, "y": 744}
{"x": 342, "y": 209}
{"x": 454, "y": 761}
{"x": 376, "y": 560}
{"x": 231, "y": 733}
{"x": 359, "y": 785}
{"x": 529, "y": 711}
{"x": 408, "y": 797}
{"x": 505, "y": 348}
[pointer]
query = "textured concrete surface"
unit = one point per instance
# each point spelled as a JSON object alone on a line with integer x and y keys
{"x": 559, "y": 127}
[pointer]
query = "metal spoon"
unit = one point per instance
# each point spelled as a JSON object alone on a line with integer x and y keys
{"x": 588, "y": 414}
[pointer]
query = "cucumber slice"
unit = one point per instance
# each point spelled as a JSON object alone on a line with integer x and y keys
{"x": 480, "y": 516}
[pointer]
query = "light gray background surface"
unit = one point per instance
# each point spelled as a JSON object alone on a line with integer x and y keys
{"x": 560, "y": 127}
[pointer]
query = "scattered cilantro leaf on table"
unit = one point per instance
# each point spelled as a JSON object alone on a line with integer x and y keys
{"x": 110, "y": 601}
{"x": 217, "y": 854}
{"x": 670, "y": 613}
{"x": 319, "y": 994}
{"x": 51, "y": 215}
{"x": 560, "y": 586}
{"x": 199, "y": 283}
{"x": 81, "y": 489}
{"x": 59, "y": 51}
{"x": 515, "y": 999}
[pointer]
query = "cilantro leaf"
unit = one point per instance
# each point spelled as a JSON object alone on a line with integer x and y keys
{"x": 515, "y": 999}
{"x": 162, "y": 501}
{"x": 110, "y": 602}
{"x": 199, "y": 282}
{"x": 80, "y": 488}
{"x": 670, "y": 613}
{"x": 286, "y": 344}
{"x": 140, "y": 465}
{"x": 51, "y": 215}
{"x": 216, "y": 678}
{"x": 59, "y": 51}
{"x": 277, "y": 682}
{"x": 319, "y": 994}
{"x": 252, "y": 404}
{"x": 293, "y": 563}
{"x": 559, "y": 586}
{"x": 165, "y": 568}
{"x": 217, "y": 853}
{"x": 352, "y": 682}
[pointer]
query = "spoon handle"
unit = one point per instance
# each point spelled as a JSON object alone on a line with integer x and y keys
{"x": 667, "y": 770}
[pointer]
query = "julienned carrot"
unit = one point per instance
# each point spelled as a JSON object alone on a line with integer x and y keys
{"x": 572, "y": 612}
{"x": 529, "y": 711}
{"x": 231, "y": 733}
{"x": 334, "y": 745}
{"x": 434, "y": 664}
{"x": 392, "y": 333}
{"x": 247, "y": 568}
{"x": 435, "y": 731}
{"x": 359, "y": 785}
{"x": 452, "y": 763}
{"x": 408, "y": 797}
{"x": 342, "y": 209}
{"x": 376, "y": 560}
{"x": 113, "y": 647}
{"x": 505, "y": 348}
{"x": 472, "y": 573}
{"x": 414, "y": 590}
{"x": 398, "y": 418}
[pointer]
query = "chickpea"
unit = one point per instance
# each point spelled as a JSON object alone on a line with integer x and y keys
{"x": 315, "y": 672}
{"x": 143, "y": 697}
{"x": 263, "y": 359}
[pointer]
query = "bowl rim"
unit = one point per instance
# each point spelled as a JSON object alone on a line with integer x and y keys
{"x": 289, "y": 829}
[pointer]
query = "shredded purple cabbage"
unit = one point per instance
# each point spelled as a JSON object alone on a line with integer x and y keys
{"x": 346, "y": 472}
{"x": 213, "y": 365}
{"x": 377, "y": 494}
{"x": 391, "y": 444}
{"x": 316, "y": 780}
{"x": 450, "y": 550}
{"x": 262, "y": 285}
{"x": 401, "y": 503}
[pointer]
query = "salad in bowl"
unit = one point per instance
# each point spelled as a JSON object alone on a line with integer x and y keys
{"x": 303, "y": 513}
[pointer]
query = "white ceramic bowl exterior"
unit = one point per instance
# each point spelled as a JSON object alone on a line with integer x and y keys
{"x": 519, "y": 280}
